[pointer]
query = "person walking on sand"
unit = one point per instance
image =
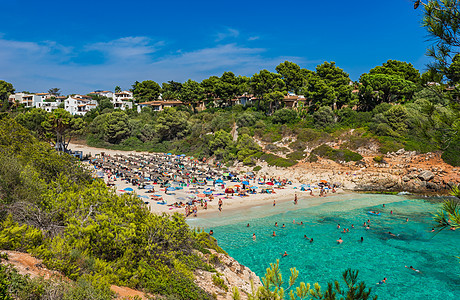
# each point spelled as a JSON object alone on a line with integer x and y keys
{"x": 295, "y": 199}
{"x": 274, "y": 202}
{"x": 220, "y": 204}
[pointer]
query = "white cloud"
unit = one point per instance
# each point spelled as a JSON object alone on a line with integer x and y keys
{"x": 132, "y": 47}
{"x": 227, "y": 33}
{"x": 39, "y": 66}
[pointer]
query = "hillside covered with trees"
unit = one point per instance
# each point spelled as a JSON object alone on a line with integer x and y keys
{"x": 392, "y": 106}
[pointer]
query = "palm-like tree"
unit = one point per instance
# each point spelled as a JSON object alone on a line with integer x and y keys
{"x": 449, "y": 216}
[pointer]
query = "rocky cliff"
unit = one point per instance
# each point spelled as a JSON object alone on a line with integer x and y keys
{"x": 230, "y": 273}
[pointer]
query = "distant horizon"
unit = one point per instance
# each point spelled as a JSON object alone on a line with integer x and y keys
{"x": 100, "y": 45}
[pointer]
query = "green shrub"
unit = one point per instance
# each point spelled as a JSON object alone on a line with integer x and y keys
{"x": 283, "y": 116}
{"x": 312, "y": 158}
{"x": 389, "y": 145}
{"x": 296, "y": 155}
{"x": 378, "y": 159}
{"x": 257, "y": 168}
{"x": 275, "y": 160}
{"x": 219, "y": 282}
{"x": 452, "y": 153}
{"x": 336, "y": 155}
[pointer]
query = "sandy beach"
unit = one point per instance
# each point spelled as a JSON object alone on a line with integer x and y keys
{"x": 283, "y": 194}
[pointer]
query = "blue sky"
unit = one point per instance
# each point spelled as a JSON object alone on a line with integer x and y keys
{"x": 81, "y": 46}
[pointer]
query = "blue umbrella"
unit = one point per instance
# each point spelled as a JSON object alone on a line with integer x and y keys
{"x": 180, "y": 198}
{"x": 171, "y": 189}
{"x": 149, "y": 186}
{"x": 128, "y": 189}
{"x": 142, "y": 196}
{"x": 245, "y": 182}
{"x": 169, "y": 154}
{"x": 207, "y": 192}
{"x": 182, "y": 155}
{"x": 219, "y": 181}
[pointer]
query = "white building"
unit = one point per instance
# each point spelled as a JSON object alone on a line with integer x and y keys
{"x": 28, "y": 100}
{"x": 48, "y": 106}
{"x": 158, "y": 105}
{"x": 79, "y": 106}
{"x": 107, "y": 94}
{"x": 123, "y": 100}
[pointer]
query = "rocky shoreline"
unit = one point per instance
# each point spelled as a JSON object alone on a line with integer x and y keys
{"x": 401, "y": 171}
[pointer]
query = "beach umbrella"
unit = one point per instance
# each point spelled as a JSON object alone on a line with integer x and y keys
{"x": 219, "y": 181}
{"x": 149, "y": 186}
{"x": 229, "y": 191}
{"x": 169, "y": 189}
{"x": 181, "y": 198}
{"x": 128, "y": 189}
{"x": 245, "y": 182}
{"x": 201, "y": 195}
{"x": 207, "y": 192}
{"x": 249, "y": 173}
{"x": 253, "y": 187}
{"x": 269, "y": 183}
{"x": 226, "y": 174}
{"x": 323, "y": 181}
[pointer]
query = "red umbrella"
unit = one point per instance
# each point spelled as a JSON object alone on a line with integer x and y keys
{"x": 269, "y": 183}
{"x": 229, "y": 191}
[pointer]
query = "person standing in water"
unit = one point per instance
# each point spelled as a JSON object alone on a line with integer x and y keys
{"x": 253, "y": 236}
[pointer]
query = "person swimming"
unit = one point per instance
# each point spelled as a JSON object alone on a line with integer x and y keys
{"x": 413, "y": 269}
{"x": 284, "y": 226}
{"x": 247, "y": 225}
{"x": 311, "y": 240}
{"x": 432, "y": 229}
{"x": 305, "y": 236}
{"x": 382, "y": 281}
{"x": 276, "y": 224}
{"x": 392, "y": 234}
{"x": 274, "y": 234}
{"x": 339, "y": 241}
{"x": 338, "y": 226}
{"x": 362, "y": 239}
{"x": 285, "y": 254}
{"x": 352, "y": 226}
{"x": 211, "y": 232}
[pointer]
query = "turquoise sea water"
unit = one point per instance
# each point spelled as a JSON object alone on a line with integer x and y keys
{"x": 380, "y": 255}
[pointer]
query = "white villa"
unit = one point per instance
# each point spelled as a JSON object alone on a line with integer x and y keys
{"x": 79, "y": 105}
{"x": 158, "y": 105}
{"x": 28, "y": 100}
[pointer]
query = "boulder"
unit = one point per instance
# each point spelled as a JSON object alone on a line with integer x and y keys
{"x": 426, "y": 175}
{"x": 432, "y": 186}
{"x": 405, "y": 178}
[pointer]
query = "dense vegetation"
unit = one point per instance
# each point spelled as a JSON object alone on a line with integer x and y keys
{"x": 53, "y": 209}
{"x": 392, "y": 106}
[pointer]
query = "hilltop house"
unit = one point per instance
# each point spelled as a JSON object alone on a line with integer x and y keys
{"x": 158, "y": 105}
{"x": 79, "y": 105}
{"x": 28, "y": 100}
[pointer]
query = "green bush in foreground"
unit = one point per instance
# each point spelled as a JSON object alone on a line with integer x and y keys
{"x": 336, "y": 154}
{"x": 274, "y": 287}
{"x": 51, "y": 209}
